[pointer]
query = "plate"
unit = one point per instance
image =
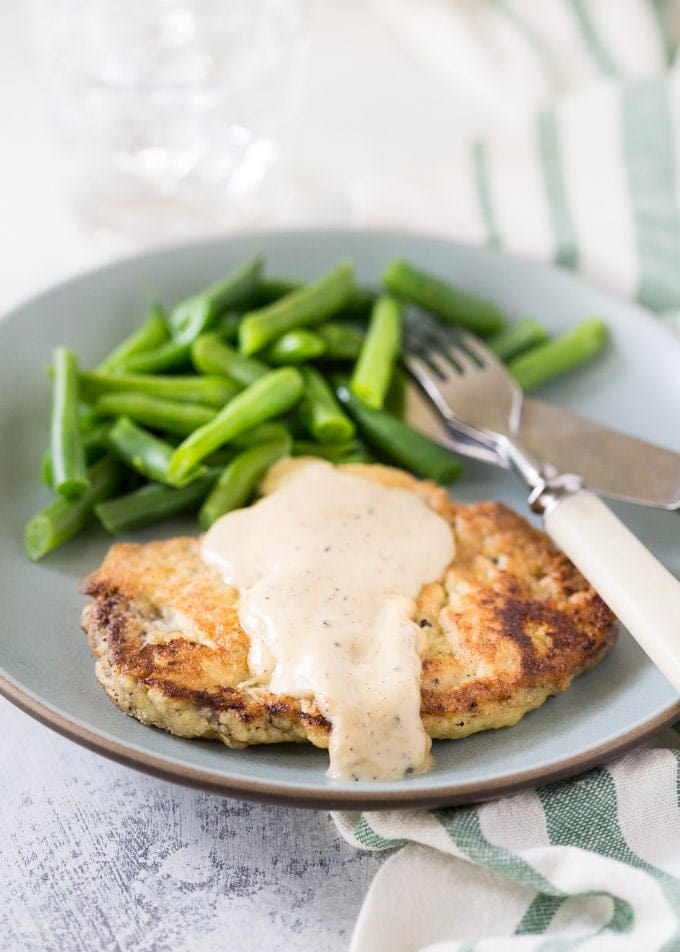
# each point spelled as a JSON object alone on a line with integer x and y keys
{"x": 45, "y": 663}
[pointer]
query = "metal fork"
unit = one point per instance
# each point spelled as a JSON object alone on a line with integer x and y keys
{"x": 477, "y": 397}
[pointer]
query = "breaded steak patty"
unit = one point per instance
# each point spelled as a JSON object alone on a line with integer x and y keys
{"x": 511, "y": 623}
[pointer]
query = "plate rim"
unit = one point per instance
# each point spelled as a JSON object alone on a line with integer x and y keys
{"x": 326, "y": 798}
{"x": 171, "y": 247}
{"x": 274, "y": 791}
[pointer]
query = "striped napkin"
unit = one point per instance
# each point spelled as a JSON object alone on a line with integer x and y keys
{"x": 576, "y": 161}
{"x": 578, "y": 158}
{"x": 592, "y": 863}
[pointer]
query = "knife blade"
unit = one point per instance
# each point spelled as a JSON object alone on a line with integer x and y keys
{"x": 612, "y": 463}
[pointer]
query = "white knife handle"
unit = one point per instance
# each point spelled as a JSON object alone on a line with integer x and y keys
{"x": 638, "y": 589}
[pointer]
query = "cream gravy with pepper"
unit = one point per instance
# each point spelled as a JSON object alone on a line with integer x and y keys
{"x": 328, "y": 567}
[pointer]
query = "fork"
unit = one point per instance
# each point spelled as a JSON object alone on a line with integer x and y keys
{"x": 477, "y": 397}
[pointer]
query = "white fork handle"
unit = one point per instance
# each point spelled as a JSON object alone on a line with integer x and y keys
{"x": 638, "y": 589}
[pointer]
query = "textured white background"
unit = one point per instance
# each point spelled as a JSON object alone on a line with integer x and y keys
{"x": 94, "y": 856}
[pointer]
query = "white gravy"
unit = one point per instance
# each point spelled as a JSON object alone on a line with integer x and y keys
{"x": 328, "y": 567}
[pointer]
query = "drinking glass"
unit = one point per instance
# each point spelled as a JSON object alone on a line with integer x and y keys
{"x": 170, "y": 113}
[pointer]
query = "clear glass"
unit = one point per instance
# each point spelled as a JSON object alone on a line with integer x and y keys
{"x": 170, "y": 112}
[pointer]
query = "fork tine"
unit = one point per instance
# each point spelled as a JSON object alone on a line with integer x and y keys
{"x": 421, "y": 340}
{"x": 486, "y": 357}
{"x": 465, "y": 381}
{"x": 439, "y": 363}
{"x": 427, "y": 349}
{"x": 445, "y": 349}
{"x": 461, "y": 360}
{"x": 420, "y": 369}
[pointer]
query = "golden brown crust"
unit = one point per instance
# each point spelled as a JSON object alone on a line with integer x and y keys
{"x": 511, "y": 623}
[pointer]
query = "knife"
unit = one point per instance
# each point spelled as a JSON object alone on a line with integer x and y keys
{"x": 611, "y": 463}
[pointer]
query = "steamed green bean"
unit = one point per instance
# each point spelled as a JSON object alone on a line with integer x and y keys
{"x": 343, "y": 342}
{"x": 168, "y": 416}
{"x": 62, "y": 519}
{"x": 152, "y": 333}
{"x": 373, "y": 370}
{"x": 517, "y": 338}
{"x": 321, "y": 413}
{"x": 142, "y": 451}
{"x": 95, "y": 445}
{"x": 213, "y": 390}
{"x": 241, "y": 477}
{"x": 69, "y": 469}
{"x": 400, "y": 443}
{"x": 443, "y": 298}
{"x": 309, "y": 304}
{"x": 267, "y": 397}
{"x": 210, "y": 355}
{"x": 558, "y": 355}
{"x": 152, "y": 503}
{"x": 198, "y": 313}
{"x": 298, "y": 346}
{"x": 168, "y": 356}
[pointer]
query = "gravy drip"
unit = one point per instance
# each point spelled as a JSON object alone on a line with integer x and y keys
{"x": 328, "y": 568}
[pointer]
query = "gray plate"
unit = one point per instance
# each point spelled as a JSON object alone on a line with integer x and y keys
{"x": 45, "y": 666}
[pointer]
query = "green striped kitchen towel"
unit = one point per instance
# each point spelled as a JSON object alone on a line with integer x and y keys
{"x": 591, "y": 863}
{"x": 574, "y": 160}
{"x": 576, "y": 154}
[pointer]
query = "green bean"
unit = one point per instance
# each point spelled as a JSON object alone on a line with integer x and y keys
{"x": 238, "y": 482}
{"x": 400, "y": 443}
{"x": 443, "y": 298}
{"x": 95, "y": 444}
{"x": 263, "y": 433}
{"x": 46, "y": 469}
{"x": 267, "y": 397}
{"x": 361, "y": 456}
{"x": 69, "y": 470}
{"x": 343, "y": 342}
{"x": 221, "y": 458}
{"x": 169, "y": 416}
{"x": 87, "y": 418}
{"x": 271, "y": 289}
{"x": 142, "y": 451}
{"x": 372, "y": 373}
{"x": 210, "y": 355}
{"x": 226, "y": 326}
{"x": 517, "y": 338}
{"x": 360, "y": 305}
{"x": 310, "y": 304}
{"x": 321, "y": 413}
{"x": 152, "y": 503}
{"x": 395, "y": 398}
{"x": 169, "y": 356}
{"x": 151, "y": 334}
{"x": 562, "y": 353}
{"x": 298, "y": 346}
{"x": 332, "y": 452}
{"x": 63, "y": 518}
{"x": 213, "y": 391}
{"x": 195, "y": 315}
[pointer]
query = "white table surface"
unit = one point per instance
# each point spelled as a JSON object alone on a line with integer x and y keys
{"x": 93, "y": 855}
